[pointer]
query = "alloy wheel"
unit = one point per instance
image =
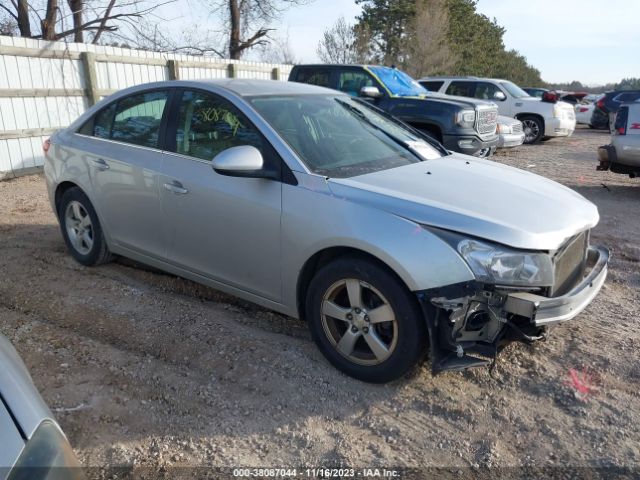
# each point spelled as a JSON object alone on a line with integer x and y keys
{"x": 359, "y": 322}
{"x": 531, "y": 130}
{"x": 79, "y": 227}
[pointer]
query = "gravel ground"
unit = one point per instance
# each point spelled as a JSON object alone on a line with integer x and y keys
{"x": 146, "y": 369}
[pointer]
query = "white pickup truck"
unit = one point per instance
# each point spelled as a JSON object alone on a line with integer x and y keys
{"x": 540, "y": 119}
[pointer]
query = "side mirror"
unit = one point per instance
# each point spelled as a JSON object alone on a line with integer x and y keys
{"x": 499, "y": 96}
{"x": 242, "y": 161}
{"x": 370, "y": 92}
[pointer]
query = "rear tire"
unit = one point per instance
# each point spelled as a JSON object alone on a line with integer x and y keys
{"x": 81, "y": 229}
{"x": 365, "y": 321}
{"x": 533, "y": 128}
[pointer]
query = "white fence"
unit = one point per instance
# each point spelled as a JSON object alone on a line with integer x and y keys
{"x": 45, "y": 85}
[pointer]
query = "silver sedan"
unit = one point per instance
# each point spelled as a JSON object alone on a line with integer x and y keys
{"x": 322, "y": 207}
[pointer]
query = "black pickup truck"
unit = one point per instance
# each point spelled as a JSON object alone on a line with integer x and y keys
{"x": 461, "y": 124}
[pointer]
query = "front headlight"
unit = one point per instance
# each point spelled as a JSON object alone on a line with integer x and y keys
{"x": 503, "y": 128}
{"x": 466, "y": 118}
{"x": 500, "y": 265}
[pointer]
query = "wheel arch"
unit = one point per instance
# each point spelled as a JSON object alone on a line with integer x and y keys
{"x": 429, "y": 127}
{"x": 327, "y": 255}
{"x": 521, "y": 115}
{"x": 61, "y": 188}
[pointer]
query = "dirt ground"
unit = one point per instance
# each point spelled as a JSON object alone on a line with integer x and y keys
{"x": 146, "y": 369}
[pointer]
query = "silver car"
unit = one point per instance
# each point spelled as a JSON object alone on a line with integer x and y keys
{"x": 510, "y": 132}
{"x": 32, "y": 446}
{"x": 622, "y": 155}
{"x": 320, "y": 206}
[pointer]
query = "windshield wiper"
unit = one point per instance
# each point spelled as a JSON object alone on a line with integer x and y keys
{"x": 357, "y": 112}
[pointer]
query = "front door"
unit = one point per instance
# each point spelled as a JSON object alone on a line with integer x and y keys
{"x": 225, "y": 228}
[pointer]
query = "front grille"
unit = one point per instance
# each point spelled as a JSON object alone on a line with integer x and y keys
{"x": 517, "y": 127}
{"x": 487, "y": 121}
{"x": 569, "y": 264}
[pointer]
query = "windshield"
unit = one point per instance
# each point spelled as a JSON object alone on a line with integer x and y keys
{"x": 337, "y": 136}
{"x": 399, "y": 83}
{"x": 514, "y": 90}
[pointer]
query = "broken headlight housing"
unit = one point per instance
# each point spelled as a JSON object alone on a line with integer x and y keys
{"x": 500, "y": 265}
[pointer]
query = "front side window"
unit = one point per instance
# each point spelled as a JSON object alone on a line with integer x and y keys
{"x": 514, "y": 90}
{"x": 338, "y": 136}
{"x": 138, "y": 118}
{"x": 351, "y": 82}
{"x": 208, "y": 124}
{"x": 461, "y": 89}
{"x": 486, "y": 91}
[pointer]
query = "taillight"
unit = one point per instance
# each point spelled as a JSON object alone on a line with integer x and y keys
{"x": 600, "y": 104}
{"x": 622, "y": 131}
{"x": 583, "y": 109}
{"x": 635, "y": 126}
{"x": 46, "y": 145}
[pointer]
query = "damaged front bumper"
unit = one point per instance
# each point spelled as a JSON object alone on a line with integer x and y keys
{"x": 545, "y": 311}
{"x": 470, "y": 323}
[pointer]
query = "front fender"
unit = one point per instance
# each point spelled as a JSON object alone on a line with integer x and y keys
{"x": 314, "y": 220}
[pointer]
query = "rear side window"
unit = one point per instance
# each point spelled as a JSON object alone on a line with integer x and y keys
{"x": 320, "y": 77}
{"x": 461, "y": 89}
{"x": 100, "y": 124}
{"x": 432, "y": 85}
{"x": 138, "y": 118}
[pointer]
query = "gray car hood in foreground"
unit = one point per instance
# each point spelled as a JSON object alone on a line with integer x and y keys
{"x": 476, "y": 197}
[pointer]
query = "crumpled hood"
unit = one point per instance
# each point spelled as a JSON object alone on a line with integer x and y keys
{"x": 476, "y": 197}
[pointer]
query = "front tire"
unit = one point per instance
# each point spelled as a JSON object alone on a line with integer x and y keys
{"x": 533, "y": 128}
{"x": 365, "y": 321}
{"x": 81, "y": 229}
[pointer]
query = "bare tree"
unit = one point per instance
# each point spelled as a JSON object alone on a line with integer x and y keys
{"x": 248, "y": 21}
{"x": 53, "y": 17}
{"x": 428, "y": 51}
{"x": 8, "y": 26}
{"x": 344, "y": 43}
{"x": 278, "y": 50}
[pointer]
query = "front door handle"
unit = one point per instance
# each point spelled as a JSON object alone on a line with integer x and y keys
{"x": 176, "y": 187}
{"x": 100, "y": 164}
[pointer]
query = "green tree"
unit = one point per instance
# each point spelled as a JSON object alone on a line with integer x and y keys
{"x": 388, "y": 24}
{"x": 629, "y": 84}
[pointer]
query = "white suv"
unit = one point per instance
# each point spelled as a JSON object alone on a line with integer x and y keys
{"x": 540, "y": 119}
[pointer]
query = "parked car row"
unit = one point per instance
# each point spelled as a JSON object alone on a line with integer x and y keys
{"x": 606, "y": 107}
{"x": 429, "y": 105}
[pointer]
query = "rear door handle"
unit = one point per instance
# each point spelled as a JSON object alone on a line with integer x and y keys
{"x": 176, "y": 187}
{"x": 100, "y": 164}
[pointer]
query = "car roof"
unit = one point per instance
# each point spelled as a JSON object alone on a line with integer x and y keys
{"x": 250, "y": 88}
{"x": 485, "y": 79}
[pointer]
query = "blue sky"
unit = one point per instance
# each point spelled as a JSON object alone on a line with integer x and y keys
{"x": 588, "y": 40}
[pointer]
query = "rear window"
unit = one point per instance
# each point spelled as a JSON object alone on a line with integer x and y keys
{"x": 432, "y": 85}
{"x": 320, "y": 77}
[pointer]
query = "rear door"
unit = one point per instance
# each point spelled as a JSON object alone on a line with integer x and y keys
{"x": 123, "y": 151}
{"x": 222, "y": 227}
